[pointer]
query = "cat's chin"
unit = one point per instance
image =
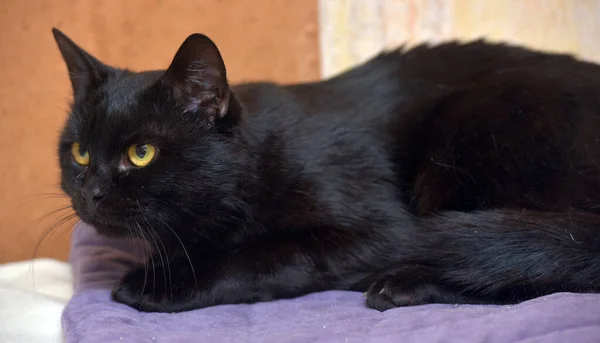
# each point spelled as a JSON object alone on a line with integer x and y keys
{"x": 109, "y": 229}
{"x": 105, "y": 226}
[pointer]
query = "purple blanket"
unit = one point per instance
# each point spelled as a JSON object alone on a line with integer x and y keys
{"x": 322, "y": 317}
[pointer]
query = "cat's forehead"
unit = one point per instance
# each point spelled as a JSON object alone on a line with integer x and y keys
{"x": 122, "y": 92}
{"x": 122, "y": 106}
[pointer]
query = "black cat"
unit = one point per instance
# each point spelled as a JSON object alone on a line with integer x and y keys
{"x": 459, "y": 173}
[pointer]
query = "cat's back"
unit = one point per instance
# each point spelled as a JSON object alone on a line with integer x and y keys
{"x": 379, "y": 86}
{"x": 393, "y": 94}
{"x": 524, "y": 118}
{"x": 516, "y": 128}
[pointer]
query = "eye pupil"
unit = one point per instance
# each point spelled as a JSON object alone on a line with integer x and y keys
{"x": 82, "y": 151}
{"x": 140, "y": 150}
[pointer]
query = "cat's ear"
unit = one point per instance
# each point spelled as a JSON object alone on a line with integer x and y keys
{"x": 85, "y": 71}
{"x": 198, "y": 77}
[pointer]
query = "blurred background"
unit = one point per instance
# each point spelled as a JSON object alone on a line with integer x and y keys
{"x": 279, "y": 40}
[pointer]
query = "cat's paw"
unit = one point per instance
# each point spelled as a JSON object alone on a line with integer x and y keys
{"x": 138, "y": 289}
{"x": 389, "y": 292}
{"x": 414, "y": 285}
{"x": 155, "y": 290}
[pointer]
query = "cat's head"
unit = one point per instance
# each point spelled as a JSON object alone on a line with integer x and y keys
{"x": 152, "y": 150}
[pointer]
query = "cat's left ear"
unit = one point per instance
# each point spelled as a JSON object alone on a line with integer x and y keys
{"x": 198, "y": 77}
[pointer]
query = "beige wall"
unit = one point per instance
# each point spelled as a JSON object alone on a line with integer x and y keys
{"x": 275, "y": 39}
{"x": 354, "y": 30}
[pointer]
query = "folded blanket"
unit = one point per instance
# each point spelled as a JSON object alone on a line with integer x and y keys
{"x": 333, "y": 316}
{"x": 33, "y": 294}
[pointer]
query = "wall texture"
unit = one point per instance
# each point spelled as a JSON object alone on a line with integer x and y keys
{"x": 354, "y": 30}
{"x": 275, "y": 39}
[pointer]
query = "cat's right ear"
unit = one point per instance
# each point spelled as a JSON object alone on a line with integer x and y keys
{"x": 85, "y": 71}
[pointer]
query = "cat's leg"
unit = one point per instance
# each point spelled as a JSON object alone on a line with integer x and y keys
{"x": 274, "y": 269}
{"x": 495, "y": 257}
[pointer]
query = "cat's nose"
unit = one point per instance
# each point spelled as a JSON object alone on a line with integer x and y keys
{"x": 94, "y": 194}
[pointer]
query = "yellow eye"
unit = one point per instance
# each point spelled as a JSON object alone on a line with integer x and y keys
{"x": 80, "y": 154}
{"x": 140, "y": 155}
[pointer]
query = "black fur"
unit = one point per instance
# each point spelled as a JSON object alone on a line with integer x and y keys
{"x": 461, "y": 173}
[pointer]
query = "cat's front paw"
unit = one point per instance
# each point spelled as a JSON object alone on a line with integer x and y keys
{"x": 138, "y": 290}
{"x": 156, "y": 290}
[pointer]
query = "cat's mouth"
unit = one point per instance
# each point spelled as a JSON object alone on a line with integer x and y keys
{"x": 122, "y": 217}
{"x": 111, "y": 230}
{"x": 110, "y": 225}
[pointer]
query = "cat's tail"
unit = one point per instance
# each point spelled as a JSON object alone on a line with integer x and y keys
{"x": 494, "y": 256}
{"x": 498, "y": 250}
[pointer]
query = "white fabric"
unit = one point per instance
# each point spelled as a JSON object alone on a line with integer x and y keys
{"x": 33, "y": 294}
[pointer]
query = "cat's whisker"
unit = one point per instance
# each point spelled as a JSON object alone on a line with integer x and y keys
{"x": 184, "y": 249}
{"x": 37, "y": 199}
{"x": 46, "y": 215}
{"x": 166, "y": 257}
{"x": 179, "y": 239}
{"x": 43, "y": 196}
{"x": 80, "y": 174}
{"x": 163, "y": 246}
{"x": 58, "y": 224}
{"x": 151, "y": 258}
{"x": 141, "y": 234}
{"x": 201, "y": 220}
{"x": 168, "y": 262}
{"x": 146, "y": 271}
{"x": 65, "y": 228}
{"x": 160, "y": 254}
